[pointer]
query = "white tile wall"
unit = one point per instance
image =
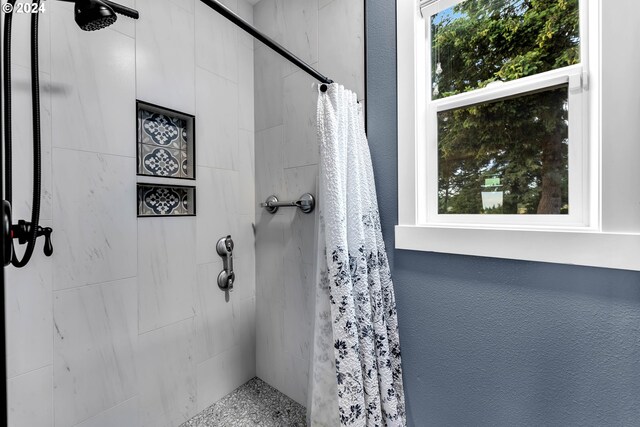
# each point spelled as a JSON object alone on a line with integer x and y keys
{"x": 95, "y": 345}
{"x": 214, "y": 315}
{"x": 165, "y": 54}
{"x": 227, "y": 371}
{"x": 245, "y": 89}
{"x": 166, "y": 271}
{"x": 299, "y": 108}
{"x": 217, "y": 130}
{"x": 329, "y": 34}
{"x": 217, "y": 211}
{"x": 93, "y": 83}
{"x": 246, "y": 169}
{"x": 28, "y": 294}
{"x": 94, "y": 218}
{"x": 106, "y": 332}
{"x": 294, "y": 24}
{"x": 167, "y": 375}
{"x": 341, "y": 51}
{"x": 123, "y": 415}
{"x": 216, "y": 38}
{"x": 268, "y": 88}
{"x": 30, "y": 399}
{"x": 270, "y": 165}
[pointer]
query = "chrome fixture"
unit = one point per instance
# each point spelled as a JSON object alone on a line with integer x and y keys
{"x": 224, "y": 247}
{"x": 306, "y": 204}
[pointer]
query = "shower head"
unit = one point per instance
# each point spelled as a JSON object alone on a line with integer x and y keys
{"x": 92, "y": 15}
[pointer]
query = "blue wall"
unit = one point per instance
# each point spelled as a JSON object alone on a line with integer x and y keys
{"x": 497, "y": 342}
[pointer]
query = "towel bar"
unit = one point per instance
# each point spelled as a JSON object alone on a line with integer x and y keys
{"x": 306, "y": 204}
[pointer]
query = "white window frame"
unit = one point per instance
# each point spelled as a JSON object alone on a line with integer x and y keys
{"x": 597, "y": 234}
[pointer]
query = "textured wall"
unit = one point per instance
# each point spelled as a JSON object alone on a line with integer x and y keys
{"x": 329, "y": 35}
{"x": 125, "y": 325}
{"x": 496, "y": 342}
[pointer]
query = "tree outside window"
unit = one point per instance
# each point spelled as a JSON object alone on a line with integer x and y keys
{"x": 519, "y": 145}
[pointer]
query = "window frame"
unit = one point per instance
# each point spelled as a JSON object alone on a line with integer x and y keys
{"x": 594, "y": 238}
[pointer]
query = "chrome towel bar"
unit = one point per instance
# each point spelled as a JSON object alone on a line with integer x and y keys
{"x": 306, "y": 204}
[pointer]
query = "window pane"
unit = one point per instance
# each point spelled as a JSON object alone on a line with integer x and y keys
{"x": 505, "y": 157}
{"x": 478, "y": 42}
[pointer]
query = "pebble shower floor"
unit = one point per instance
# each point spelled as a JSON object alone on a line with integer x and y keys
{"x": 255, "y": 403}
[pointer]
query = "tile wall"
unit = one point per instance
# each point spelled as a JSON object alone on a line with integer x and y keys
{"x": 329, "y": 35}
{"x": 125, "y": 325}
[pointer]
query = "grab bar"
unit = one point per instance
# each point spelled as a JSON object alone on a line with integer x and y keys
{"x": 306, "y": 204}
{"x": 224, "y": 247}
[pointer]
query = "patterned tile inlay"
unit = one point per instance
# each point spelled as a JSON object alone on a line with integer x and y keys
{"x": 255, "y": 403}
{"x": 159, "y": 129}
{"x": 164, "y": 145}
{"x": 164, "y": 201}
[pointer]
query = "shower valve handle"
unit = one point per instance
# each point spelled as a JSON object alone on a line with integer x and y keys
{"x": 48, "y": 245}
{"x": 22, "y": 231}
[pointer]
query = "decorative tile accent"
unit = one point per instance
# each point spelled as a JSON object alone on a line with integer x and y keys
{"x": 166, "y": 142}
{"x": 160, "y": 161}
{"x": 164, "y": 200}
{"x": 255, "y": 403}
{"x": 158, "y": 129}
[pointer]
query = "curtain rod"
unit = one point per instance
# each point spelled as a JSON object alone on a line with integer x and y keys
{"x": 231, "y": 16}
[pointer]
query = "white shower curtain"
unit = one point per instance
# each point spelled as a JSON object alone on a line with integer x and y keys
{"x": 356, "y": 373}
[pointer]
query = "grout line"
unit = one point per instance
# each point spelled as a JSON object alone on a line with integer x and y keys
{"x": 135, "y": 396}
{"x": 90, "y": 152}
{"x": 122, "y": 33}
{"x": 218, "y": 169}
{"x": 322, "y": 7}
{"x": 86, "y": 285}
{"x": 218, "y": 75}
{"x": 31, "y": 371}
{"x": 269, "y": 128}
{"x": 300, "y": 166}
{"x": 167, "y": 325}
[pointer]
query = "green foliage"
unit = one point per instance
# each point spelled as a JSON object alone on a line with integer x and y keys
{"x": 522, "y": 140}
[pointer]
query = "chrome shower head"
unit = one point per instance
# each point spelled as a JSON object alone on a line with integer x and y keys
{"x": 92, "y": 15}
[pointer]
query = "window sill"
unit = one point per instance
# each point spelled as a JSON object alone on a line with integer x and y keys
{"x": 588, "y": 248}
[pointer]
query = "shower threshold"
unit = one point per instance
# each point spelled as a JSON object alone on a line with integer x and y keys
{"x": 255, "y": 403}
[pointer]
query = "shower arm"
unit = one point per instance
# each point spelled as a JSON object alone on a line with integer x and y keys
{"x": 117, "y": 8}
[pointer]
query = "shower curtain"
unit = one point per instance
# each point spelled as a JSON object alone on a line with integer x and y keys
{"x": 356, "y": 373}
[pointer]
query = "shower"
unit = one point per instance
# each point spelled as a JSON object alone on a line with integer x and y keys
{"x": 90, "y": 15}
{"x": 126, "y": 323}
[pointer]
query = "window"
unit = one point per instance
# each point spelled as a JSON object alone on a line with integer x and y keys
{"x": 500, "y": 125}
{"x": 505, "y": 112}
